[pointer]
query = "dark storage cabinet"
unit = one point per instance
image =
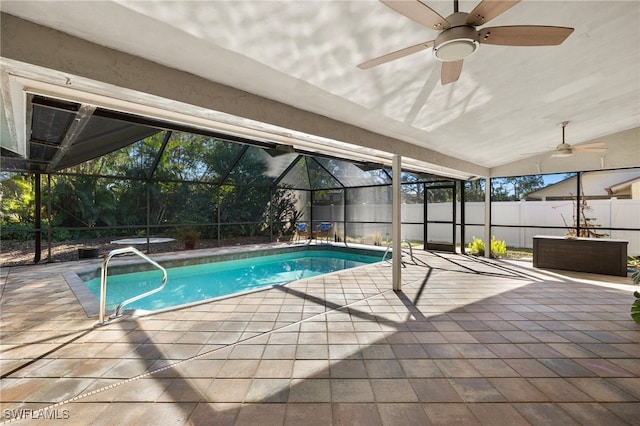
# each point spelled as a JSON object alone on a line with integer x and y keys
{"x": 595, "y": 255}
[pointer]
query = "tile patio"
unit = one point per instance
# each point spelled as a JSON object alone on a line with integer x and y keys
{"x": 467, "y": 341}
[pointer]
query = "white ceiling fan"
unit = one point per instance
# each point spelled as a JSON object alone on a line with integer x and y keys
{"x": 459, "y": 36}
{"x": 566, "y": 150}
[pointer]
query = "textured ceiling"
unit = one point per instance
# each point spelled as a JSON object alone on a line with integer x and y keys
{"x": 506, "y": 106}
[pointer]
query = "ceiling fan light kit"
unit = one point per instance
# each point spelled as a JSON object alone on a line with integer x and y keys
{"x": 562, "y": 153}
{"x": 456, "y": 43}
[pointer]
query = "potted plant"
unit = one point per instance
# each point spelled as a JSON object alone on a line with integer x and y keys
{"x": 189, "y": 236}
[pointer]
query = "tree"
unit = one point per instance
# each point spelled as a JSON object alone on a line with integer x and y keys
{"x": 17, "y": 198}
{"x": 82, "y": 201}
{"x": 475, "y": 190}
{"x": 282, "y": 213}
{"x": 515, "y": 188}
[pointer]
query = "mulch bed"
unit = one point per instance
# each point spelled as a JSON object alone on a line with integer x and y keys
{"x": 14, "y": 253}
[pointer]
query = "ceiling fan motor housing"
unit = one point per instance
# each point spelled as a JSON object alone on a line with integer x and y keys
{"x": 457, "y": 42}
{"x": 563, "y": 150}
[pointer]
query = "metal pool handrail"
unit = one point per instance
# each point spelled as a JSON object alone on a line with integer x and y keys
{"x": 403, "y": 241}
{"x": 103, "y": 284}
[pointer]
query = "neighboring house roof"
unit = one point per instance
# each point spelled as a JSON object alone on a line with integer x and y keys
{"x": 623, "y": 186}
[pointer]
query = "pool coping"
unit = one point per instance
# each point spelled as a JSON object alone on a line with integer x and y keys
{"x": 91, "y": 304}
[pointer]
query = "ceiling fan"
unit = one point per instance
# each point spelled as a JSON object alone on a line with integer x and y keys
{"x": 566, "y": 150}
{"x": 459, "y": 36}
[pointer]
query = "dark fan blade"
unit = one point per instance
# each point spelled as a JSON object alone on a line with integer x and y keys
{"x": 396, "y": 55}
{"x": 450, "y": 71}
{"x": 486, "y": 10}
{"x": 418, "y": 12}
{"x": 524, "y": 35}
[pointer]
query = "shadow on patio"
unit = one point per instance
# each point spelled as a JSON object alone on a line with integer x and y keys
{"x": 467, "y": 341}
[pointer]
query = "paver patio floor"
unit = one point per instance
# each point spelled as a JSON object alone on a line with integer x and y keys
{"x": 466, "y": 341}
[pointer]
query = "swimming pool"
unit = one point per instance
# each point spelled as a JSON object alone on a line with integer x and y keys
{"x": 199, "y": 282}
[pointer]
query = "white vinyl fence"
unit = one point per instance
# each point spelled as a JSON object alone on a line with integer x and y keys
{"x": 609, "y": 213}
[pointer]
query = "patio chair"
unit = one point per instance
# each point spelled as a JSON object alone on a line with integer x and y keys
{"x": 324, "y": 231}
{"x": 302, "y": 230}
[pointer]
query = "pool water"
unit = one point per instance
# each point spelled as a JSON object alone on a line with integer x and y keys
{"x": 188, "y": 284}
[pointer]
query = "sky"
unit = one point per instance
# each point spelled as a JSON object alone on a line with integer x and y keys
{"x": 551, "y": 179}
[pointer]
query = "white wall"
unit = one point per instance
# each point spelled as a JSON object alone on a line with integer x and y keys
{"x": 611, "y": 213}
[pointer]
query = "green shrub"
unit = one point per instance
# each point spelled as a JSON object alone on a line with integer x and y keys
{"x": 17, "y": 231}
{"x": 635, "y": 308}
{"x": 188, "y": 234}
{"x": 476, "y": 247}
{"x": 62, "y": 235}
{"x": 498, "y": 247}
